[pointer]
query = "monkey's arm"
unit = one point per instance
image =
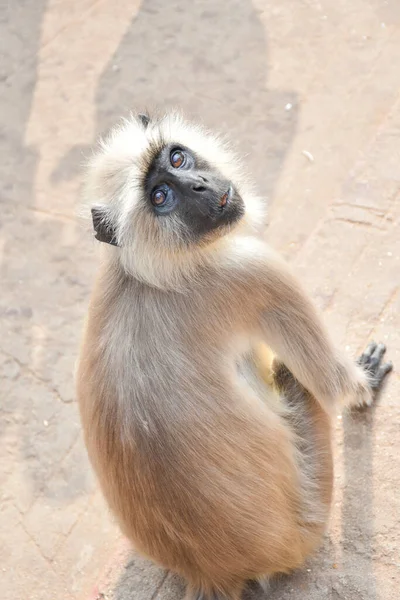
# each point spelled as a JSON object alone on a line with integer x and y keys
{"x": 291, "y": 326}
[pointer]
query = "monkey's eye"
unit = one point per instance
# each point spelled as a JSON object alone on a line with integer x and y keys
{"x": 177, "y": 159}
{"x": 158, "y": 197}
{"x": 163, "y": 199}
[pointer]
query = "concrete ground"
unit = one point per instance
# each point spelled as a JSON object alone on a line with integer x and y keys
{"x": 310, "y": 90}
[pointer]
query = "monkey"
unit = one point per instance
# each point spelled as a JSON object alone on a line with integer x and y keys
{"x": 206, "y": 379}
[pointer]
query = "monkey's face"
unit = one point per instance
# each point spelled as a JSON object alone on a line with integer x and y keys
{"x": 189, "y": 196}
{"x": 163, "y": 190}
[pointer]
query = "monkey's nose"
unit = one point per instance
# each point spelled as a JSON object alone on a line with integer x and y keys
{"x": 198, "y": 188}
{"x": 199, "y": 184}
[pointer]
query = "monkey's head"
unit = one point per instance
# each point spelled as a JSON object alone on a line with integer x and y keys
{"x": 164, "y": 193}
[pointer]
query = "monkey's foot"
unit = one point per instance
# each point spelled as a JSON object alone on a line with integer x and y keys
{"x": 371, "y": 361}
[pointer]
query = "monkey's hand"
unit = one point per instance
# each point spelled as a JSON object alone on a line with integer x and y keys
{"x": 372, "y": 373}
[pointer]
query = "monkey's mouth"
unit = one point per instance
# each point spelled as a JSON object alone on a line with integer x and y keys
{"x": 226, "y": 198}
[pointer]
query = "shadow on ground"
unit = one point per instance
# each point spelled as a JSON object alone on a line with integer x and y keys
{"x": 36, "y": 277}
{"x": 208, "y": 58}
{"x": 19, "y": 45}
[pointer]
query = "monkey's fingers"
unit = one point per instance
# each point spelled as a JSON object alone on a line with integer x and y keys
{"x": 376, "y": 358}
{"x": 380, "y": 375}
{"x": 371, "y": 361}
{"x": 378, "y": 352}
{"x": 366, "y": 355}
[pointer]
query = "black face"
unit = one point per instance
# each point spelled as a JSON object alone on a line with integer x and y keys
{"x": 180, "y": 183}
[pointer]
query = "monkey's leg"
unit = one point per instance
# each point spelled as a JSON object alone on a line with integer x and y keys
{"x": 312, "y": 427}
{"x": 371, "y": 361}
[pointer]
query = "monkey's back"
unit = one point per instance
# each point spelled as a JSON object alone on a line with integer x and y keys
{"x": 202, "y": 474}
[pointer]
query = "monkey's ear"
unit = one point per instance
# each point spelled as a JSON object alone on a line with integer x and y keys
{"x": 102, "y": 227}
{"x": 144, "y": 119}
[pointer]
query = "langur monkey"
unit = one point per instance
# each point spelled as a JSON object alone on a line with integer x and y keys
{"x": 215, "y": 467}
